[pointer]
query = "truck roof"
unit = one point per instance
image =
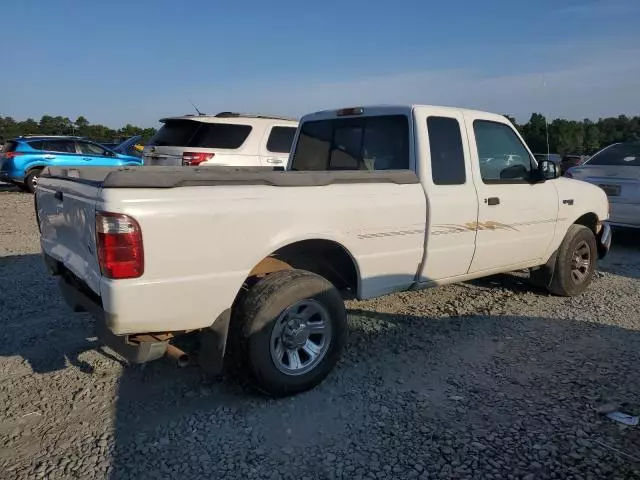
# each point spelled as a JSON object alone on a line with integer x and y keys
{"x": 383, "y": 109}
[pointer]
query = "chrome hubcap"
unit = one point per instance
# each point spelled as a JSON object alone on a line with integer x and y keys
{"x": 301, "y": 337}
{"x": 581, "y": 262}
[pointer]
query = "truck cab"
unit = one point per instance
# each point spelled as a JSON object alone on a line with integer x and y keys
{"x": 489, "y": 207}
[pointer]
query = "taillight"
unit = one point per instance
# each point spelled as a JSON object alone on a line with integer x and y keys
{"x": 119, "y": 241}
{"x": 13, "y": 154}
{"x": 194, "y": 159}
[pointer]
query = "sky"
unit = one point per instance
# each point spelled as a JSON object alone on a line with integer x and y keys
{"x": 118, "y": 62}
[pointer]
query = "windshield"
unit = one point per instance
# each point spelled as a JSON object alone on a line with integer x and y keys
{"x": 621, "y": 154}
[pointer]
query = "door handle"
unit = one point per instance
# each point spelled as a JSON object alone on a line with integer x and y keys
{"x": 86, "y": 159}
{"x": 274, "y": 160}
{"x": 48, "y": 157}
{"x": 492, "y": 201}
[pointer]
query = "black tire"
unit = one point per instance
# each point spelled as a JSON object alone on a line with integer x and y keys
{"x": 264, "y": 308}
{"x": 569, "y": 280}
{"x": 31, "y": 180}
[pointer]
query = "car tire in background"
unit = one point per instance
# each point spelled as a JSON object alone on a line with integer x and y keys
{"x": 292, "y": 329}
{"x": 31, "y": 180}
{"x": 575, "y": 262}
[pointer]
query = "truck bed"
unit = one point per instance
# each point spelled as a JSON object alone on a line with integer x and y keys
{"x": 173, "y": 177}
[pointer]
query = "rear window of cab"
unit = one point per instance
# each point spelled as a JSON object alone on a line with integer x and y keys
{"x": 363, "y": 143}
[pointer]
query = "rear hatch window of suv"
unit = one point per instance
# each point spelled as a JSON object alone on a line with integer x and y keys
{"x": 618, "y": 155}
{"x": 220, "y": 135}
{"x": 10, "y": 147}
{"x": 190, "y": 133}
{"x": 175, "y": 133}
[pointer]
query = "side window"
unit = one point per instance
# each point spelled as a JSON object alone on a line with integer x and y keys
{"x": 61, "y": 146}
{"x": 447, "y": 155}
{"x": 386, "y": 143}
{"x": 87, "y": 148}
{"x": 280, "y": 139}
{"x": 503, "y": 157}
{"x": 369, "y": 143}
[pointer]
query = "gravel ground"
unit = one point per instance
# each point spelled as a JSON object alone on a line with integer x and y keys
{"x": 487, "y": 380}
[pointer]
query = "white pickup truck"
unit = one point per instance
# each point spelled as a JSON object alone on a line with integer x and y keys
{"x": 374, "y": 200}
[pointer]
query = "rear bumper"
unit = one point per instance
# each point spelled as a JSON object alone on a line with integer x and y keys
{"x": 604, "y": 240}
{"x": 624, "y": 214}
{"x": 80, "y": 299}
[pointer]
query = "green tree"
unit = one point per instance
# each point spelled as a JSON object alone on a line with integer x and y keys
{"x": 592, "y": 137}
{"x": 535, "y": 133}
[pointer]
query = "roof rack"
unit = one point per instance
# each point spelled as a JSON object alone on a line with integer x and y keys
{"x": 253, "y": 115}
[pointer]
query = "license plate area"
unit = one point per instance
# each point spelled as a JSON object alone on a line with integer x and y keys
{"x": 611, "y": 190}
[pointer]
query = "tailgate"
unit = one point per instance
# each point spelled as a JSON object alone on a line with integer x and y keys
{"x": 66, "y": 216}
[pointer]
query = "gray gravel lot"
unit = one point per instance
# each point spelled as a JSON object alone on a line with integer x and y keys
{"x": 489, "y": 380}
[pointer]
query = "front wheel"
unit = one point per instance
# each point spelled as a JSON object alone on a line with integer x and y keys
{"x": 294, "y": 328}
{"x": 575, "y": 263}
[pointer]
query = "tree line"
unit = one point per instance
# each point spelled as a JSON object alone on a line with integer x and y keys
{"x": 565, "y": 136}
{"x": 48, "y": 125}
{"x": 577, "y": 137}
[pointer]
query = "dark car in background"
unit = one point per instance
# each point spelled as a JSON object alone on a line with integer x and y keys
{"x": 569, "y": 161}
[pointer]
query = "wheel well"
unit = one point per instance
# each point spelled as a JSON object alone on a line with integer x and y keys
{"x": 322, "y": 257}
{"x": 33, "y": 169}
{"x": 589, "y": 220}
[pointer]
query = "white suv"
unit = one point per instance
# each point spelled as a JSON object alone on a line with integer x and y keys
{"x": 227, "y": 138}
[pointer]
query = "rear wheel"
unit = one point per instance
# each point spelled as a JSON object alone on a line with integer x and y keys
{"x": 575, "y": 263}
{"x": 294, "y": 328}
{"x": 31, "y": 180}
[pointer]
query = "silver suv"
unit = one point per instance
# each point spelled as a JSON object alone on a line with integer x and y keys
{"x": 227, "y": 138}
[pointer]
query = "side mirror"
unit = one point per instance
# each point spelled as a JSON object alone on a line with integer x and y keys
{"x": 547, "y": 170}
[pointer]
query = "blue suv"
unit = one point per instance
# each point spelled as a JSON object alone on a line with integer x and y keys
{"x": 23, "y": 158}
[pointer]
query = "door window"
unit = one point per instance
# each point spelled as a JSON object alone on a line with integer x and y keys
{"x": 447, "y": 155}
{"x": 62, "y": 146}
{"x": 87, "y": 148}
{"x": 503, "y": 158}
{"x": 280, "y": 139}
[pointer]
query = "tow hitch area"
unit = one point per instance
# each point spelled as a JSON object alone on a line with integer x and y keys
{"x": 142, "y": 348}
